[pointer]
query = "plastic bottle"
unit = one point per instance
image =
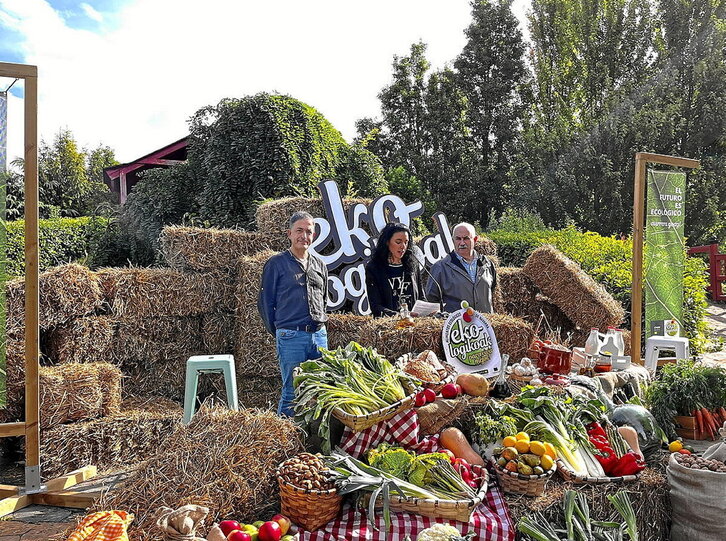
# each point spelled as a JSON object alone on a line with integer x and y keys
{"x": 609, "y": 344}
{"x": 619, "y": 342}
{"x": 592, "y": 344}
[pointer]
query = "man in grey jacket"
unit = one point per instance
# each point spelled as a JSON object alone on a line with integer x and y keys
{"x": 463, "y": 275}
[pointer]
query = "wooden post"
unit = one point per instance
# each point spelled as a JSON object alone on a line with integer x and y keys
{"x": 55, "y": 492}
{"x": 636, "y": 293}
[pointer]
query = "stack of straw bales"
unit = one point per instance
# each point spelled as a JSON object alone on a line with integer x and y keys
{"x": 116, "y": 441}
{"x": 75, "y": 392}
{"x": 241, "y": 451}
{"x": 581, "y": 299}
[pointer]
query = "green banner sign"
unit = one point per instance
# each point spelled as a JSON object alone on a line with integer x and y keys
{"x": 664, "y": 247}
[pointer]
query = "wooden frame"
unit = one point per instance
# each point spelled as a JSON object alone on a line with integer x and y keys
{"x": 54, "y": 491}
{"x": 636, "y": 293}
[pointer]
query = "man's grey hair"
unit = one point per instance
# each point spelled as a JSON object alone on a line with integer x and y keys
{"x": 299, "y": 215}
{"x": 468, "y": 226}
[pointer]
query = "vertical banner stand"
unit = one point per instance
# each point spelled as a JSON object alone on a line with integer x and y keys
{"x": 53, "y": 492}
{"x": 636, "y": 293}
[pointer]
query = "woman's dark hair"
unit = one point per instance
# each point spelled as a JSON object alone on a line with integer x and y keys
{"x": 380, "y": 254}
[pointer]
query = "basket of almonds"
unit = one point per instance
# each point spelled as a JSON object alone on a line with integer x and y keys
{"x": 307, "y": 492}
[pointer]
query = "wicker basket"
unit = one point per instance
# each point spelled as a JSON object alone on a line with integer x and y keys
{"x": 452, "y": 509}
{"x": 361, "y": 422}
{"x": 571, "y": 477}
{"x": 309, "y": 509}
{"x": 450, "y": 373}
{"x": 516, "y": 483}
{"x": 516, "y": 383}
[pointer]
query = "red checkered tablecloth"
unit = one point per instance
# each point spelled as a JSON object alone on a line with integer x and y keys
{"x": 490, "y": 520}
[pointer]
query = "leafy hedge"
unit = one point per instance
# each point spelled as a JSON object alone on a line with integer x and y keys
{"x": 62, "y": 240}
{"x": 241, "y": 151}
{"x": 609, "y": 261}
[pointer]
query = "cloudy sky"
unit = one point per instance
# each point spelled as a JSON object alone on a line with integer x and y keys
{"x": 129, "y": 73}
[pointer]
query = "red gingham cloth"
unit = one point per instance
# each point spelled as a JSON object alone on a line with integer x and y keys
{"x": 490, "y": 520}
{"x": 401, "y": 429}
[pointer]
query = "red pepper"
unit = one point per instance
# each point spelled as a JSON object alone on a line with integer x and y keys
{"x": 629, "y": 464}
{"x": 594, "y": 429}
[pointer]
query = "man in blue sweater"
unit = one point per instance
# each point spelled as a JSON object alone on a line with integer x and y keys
{"x": 293, "y": 296}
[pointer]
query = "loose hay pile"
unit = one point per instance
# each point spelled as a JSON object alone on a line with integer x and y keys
{"x": 75, "y": 392}
{"x": 212, "y": 250}
{"x": 112, "y": 442}
{"x": 648, "y": 495}
{"x": 584, "y": 302}
{"x": 236, "y": 477}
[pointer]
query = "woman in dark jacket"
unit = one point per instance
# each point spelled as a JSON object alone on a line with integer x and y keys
{"x": 392, "y": 274}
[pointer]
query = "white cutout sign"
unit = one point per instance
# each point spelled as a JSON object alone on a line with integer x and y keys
{"x": 471, "y": 346}
{"x": 353, "y": 245}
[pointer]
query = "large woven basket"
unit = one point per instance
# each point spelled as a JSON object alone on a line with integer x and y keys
{"x": 517, "y": 483}
{"x": 309, "y": 509}
{"x": 361, "y": 422}
{"x": 452, "y": 509}
{"x": 571, "y": 477}
{"x": 516, "y": 383}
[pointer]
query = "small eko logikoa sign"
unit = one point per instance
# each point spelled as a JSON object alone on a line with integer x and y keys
{"x": 470, "y": 344}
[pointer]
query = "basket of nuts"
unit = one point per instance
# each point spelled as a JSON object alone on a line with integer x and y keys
{"x": 308, "y": 495}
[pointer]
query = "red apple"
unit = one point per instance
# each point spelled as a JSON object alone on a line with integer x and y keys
{"x": 420, "y": 399}
{"x": 430, "y": 395}
{"x": 459, "y": 390}
{"x": 283, "y": 521}
{"x": 239, "y": 535}
{"x": 228, "y": 526}
{"x": 270, "y": 531}
{"x": 449, "y": 391}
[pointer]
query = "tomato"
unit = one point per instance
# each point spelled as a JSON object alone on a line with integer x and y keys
{"x": 684, "y": 451}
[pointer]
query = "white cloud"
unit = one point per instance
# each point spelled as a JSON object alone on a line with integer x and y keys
{"x": 134, "y": 87}
{"x": 91, "y": 12}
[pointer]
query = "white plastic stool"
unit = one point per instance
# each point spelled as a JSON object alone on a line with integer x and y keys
{"x": 655, "y": 344}
{"x": 208, "y": 364}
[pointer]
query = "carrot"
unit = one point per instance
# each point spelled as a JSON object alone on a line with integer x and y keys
{"x": 709, "y": 422}
{"x": 699, "y": 420}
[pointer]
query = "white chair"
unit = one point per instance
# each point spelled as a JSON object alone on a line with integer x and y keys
{"x": 208, "y": 364}
{"x": 655, "y": 344}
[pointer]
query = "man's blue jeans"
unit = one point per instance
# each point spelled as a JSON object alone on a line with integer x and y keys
{"x": 293, "y": 348}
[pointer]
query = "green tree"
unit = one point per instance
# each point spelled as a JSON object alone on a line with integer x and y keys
{"x": 492, "y": 75}
{"x": 69, "y": 179}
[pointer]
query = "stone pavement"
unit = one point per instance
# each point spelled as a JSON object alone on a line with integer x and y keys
{"x": 717, "y": 322}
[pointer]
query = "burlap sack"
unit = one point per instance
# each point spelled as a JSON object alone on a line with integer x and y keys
{"x": 698, "y": 500}
{"x": 181, "y": 524}
{"x": 439, "y": 414}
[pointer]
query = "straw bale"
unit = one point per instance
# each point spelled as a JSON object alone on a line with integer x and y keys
{"x": 583, "y": 301}
{"x": 522, "y": 298}
{"x": 14, "y": 380}
{"x": 273, "y": 216}
{"x": 514, "y": 335}
{"x": 75, "y": 392}
{"x": 382, "y": 334}
{"x": 66, "y": 292}
{"x": 485, "y": 245}
{"x": 235, "y": 478}
{"x": 82, "y": 340}
{"x": 218, "y": 332}
{"x": 345, "y": 328}
{"x": 261, "y": 393}
{"x": 112, "y": 442}
{"x": 212, "y": 250}
{"x": 649, "y": 497}
{"x": 255, "y": 347}
{"x": 136, "y": 293}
